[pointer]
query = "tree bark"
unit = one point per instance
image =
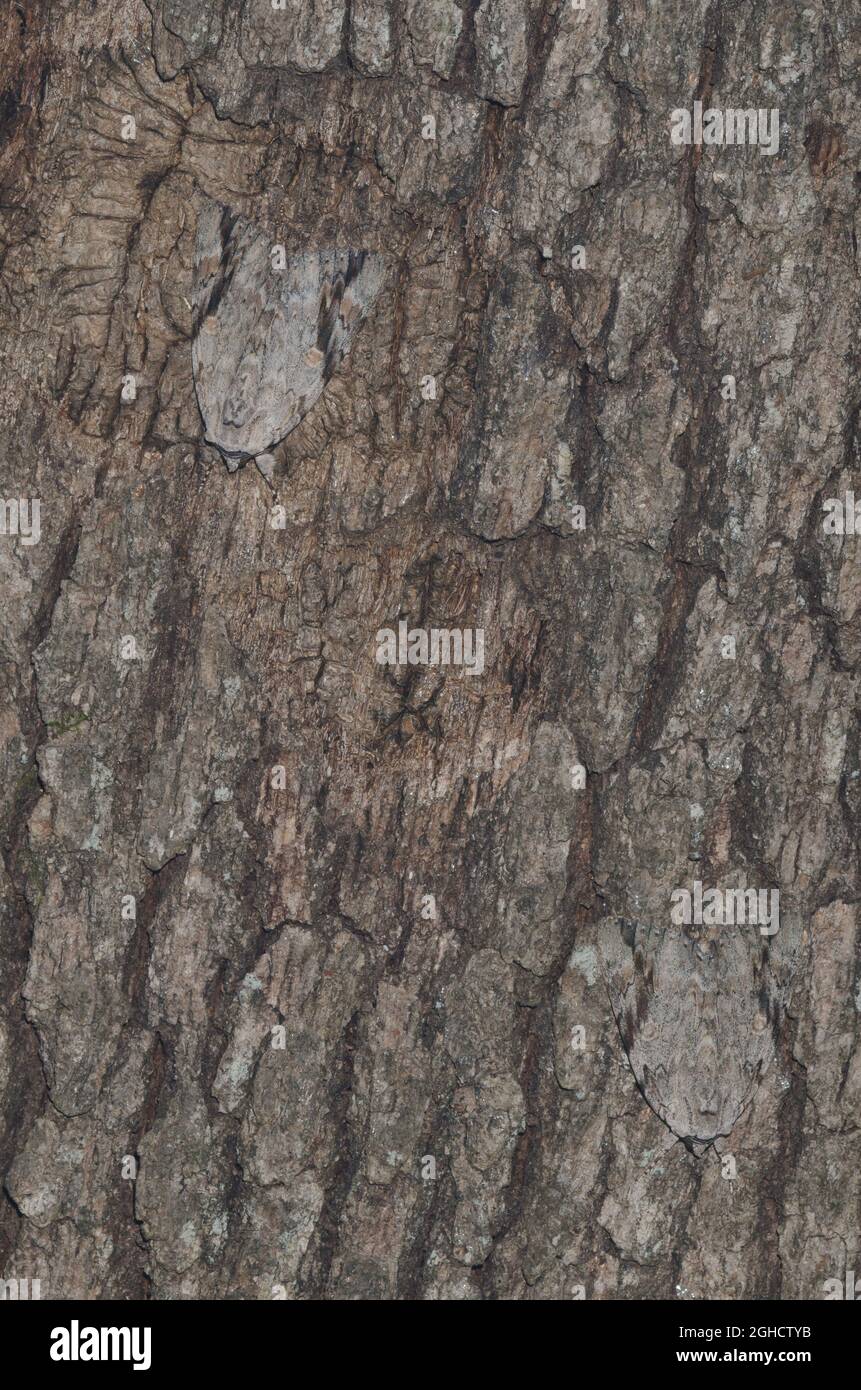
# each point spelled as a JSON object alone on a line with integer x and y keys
{"x": 329, "y": 978}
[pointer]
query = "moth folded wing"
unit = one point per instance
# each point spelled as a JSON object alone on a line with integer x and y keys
{"x": 656, "y": 1084}
{"x": 243, "y": 391}
{"x": 290, "y": 369}
{"x": 234, "y": 310}
{"x": 306, "y": 286}
{"x": 658, "y": 1051}
{"x": 253, "y": 400}
{"x": 229, "y": 373}
{"x": 646, "y": 978}
{"x": 230, "y": 308}
{"x": 745, "y": 1006}
{"x": 328, "y": 296}
{"x": 616, "y": 940}
{"x": 323, "y": 298}
{"x": 266, "y": 341}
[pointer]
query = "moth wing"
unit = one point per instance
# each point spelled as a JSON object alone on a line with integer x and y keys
{"x": 693, "y": 1021}
{"x": 267, "y": 341}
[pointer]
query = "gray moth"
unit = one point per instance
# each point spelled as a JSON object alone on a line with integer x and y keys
{"x": 266, "y": 341}
{"x": 698, "y": 1010}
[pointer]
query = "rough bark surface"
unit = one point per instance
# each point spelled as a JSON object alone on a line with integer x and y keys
{"x": 480, "y": 1096}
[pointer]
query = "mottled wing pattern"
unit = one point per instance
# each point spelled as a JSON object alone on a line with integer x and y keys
{"x": 697, "y": 1014}
{"x": 265, "y": 342}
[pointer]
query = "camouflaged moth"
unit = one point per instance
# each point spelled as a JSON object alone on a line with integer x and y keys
{"x": 265, "y": 340}
{"x": 698, "y": 1012}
